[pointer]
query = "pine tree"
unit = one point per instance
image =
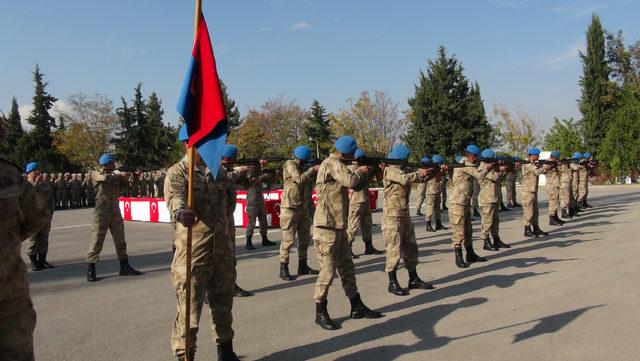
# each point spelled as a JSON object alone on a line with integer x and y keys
{"x": 233, "y": 114}
{"x": 596, "y": 100}
{"x": 317, "y": 129}
{"x": 446, "y": 113}
{"x": 162, "y": 137}
{"x": 13, "y": 134}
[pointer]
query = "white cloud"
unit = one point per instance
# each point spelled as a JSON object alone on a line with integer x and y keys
{"x": 264, "y": 29}
{"x": 566, "y": 57}
{"x": 25, "y": 110}
{"x": 300, "y": 25}
{"x": 124, "y": 52}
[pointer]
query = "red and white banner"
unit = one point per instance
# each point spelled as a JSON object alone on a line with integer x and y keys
{"x": 155, "y": 209}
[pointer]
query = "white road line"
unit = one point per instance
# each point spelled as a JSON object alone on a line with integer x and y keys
{"x": 76, "y": 226}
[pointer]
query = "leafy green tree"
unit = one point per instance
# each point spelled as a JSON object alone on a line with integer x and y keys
{"x": 317, "y": 129}
{"x": 563, "y": 136}
{"x": 597, "y": 97}
{"x": 233, "y": 114}
{"x": 446, "y": 112}
{"x": 515, "y": 135}
{"x": 13, "y": 134}
{"x": 160, "y": 138}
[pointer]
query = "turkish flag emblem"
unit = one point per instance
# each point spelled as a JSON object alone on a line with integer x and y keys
{"x": 127, "y": 210}
{"x": 153, "y": 210}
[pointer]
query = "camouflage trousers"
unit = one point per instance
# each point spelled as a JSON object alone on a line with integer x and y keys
{"x": 215, "y": 282}
{"x": 259, "y": 212}
{"x": 461, "y": 229}
{"x": 294, "y": 221}
{"x": 433, "y": 207}
{"x": 490, "y": 219}
{"x": 17, "y": 322}
{"x": 566, "y": 197}
{"x": 474, "y": 195}
{"x": 530, "y": 212}
{"x": 360, "y": 218}
{"x": 332, "y": 248}
{"x": 400, "y": 242}
{"x": 554, "y": 200}
{"x": 510, "y": 188}
{"x": 99, "y": 227}
{"x": 444, "y": 195}
{"x": 576, "y": 191}
{"x": 422, "y": 192}
{"x": 584, "y": 190}
{"x": 39, "y": 242}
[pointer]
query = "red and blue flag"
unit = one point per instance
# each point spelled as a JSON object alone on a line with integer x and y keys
{"x": 201, "y": 104}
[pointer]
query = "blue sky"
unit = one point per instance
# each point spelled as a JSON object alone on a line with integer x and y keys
{"x": 523, "y": 53}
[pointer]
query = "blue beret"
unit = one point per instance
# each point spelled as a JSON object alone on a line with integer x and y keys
{"x": 576, "y": 155}
{"x": 346, "y": 144}
{"x": 555, "y": 153}
{"x": 488, "y": 153}
{"x": 31, "y": 167}
{"x": 426, "y": 160}
{"x": 587, "y": 155}
{"x": 534, "y": 151}
{"x": 106, "y": 158}
{"x": 302, "y": 152}
{"x": 229, "y": 151}
{"x": 183, "y": 136}
{"x": 399, "y": 151}
{"x": 359, "y": 153}
{"x": 438, "y": 159}
{"x": 473, "y": 149}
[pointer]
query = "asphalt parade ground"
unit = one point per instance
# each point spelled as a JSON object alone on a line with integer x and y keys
{"x": 572, "y": 295}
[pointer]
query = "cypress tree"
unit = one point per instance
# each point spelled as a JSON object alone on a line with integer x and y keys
{"x": 13, "y": 134}
{"x": 317, "y": 129}
{"x": 596, "y": 99}
{"x": 161, "y": 138}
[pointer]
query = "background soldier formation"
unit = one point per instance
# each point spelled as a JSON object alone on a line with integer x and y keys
{"x": 342, "y": 210}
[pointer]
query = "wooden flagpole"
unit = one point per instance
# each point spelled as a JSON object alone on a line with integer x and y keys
{"x": 191, "y": 153}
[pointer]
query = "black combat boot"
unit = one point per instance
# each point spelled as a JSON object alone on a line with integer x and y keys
{"x": 284, "y": 272}
{"x": 249, "y": 244}
{"x": 516, "y": 205}
{"x": 553, "y": 221}
{"x": 43, "y": 261}
{"x": 419, "y": 212}
{"x": 322, "y": 316}
{"x": 565, "y": 214}
{"x": 585, "y": 204}
{"x": 472, "y": 256}
{"x": 304, "y": 269}
{"x": 91, "y": 272}
{"x": 459, "y": 259}
{"x": 528, "y": 232}
{"x": 429, "y": 228}
{"x": 539, "y": 232}
{"x": 353, "y": 255}
{"x": 126, "y": 269}
{"x": 488, "y": 245}
{"x": 36, "y": 265}
{"x": 266, "y": 242}
{"x": 503, "y": 208}
{"x": 369, "y": 249}
{"x": 439, "y": 225}
{"x": 476, "y": 213}
{"x": 239, "y": 292}
{"x": 444, "y": 207}
{"x": 497, "y": 243}
{"x": 359, "y": 310}
{"x": 225, "y": 352}
{"x": 560, "y": 221}
{"x": 416, "y": 283}
{"x": 394, "y": 286}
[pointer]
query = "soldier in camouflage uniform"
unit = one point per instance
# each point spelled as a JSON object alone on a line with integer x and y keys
{"x": 530, "y": 178}
{"x": 459, "y": 203}
{"x": 256, "y": 208}
{"x": 566, "y": 193}
{"x": 584, "y": 179}
{"x": 360, "y": 217}
{"x": 294, "y": 217}
{"x": 38, "y": 244}
{"x": 433, "y": 190}
{"x": 66, "y": 191}
{"x": 330, "y": 236}
{"x": 421, "y": 189}
{"x": 489, "y": 203}
{"x": 74, "y": 190}
{"x": 576, "y": 173}
{"x": 553, "y": 190}
{"x": 213, "y": 254}
{"x": 510, "y": 183}
{"x": 22, "y": 213}
{"x": 397, "y": 229}
{"x": 54, "y": 188}
{"x": 107, "y": 217}
{"x": 88, "y": 190}
{"x": 474, "y": 197}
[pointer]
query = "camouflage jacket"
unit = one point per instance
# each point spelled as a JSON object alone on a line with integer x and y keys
{"x": 254, "y": 190}
{"x": 462, "y": 182}
{"x": 434, "y": 183}
{"x": 360, "y": 193}
{"x": 530, "y": 177}
{"x": 565, "y": 176}
{"x": 584, "y": 175}
{"x": 553, "y": 178}
{"x": 45, "y": 191}
{"x": 397, "y": 188}
{"x": 107, "y": 189}
{"x": 489, "y": 187}
{"x": 334, "y": 178}
{"x": 22, "y": 212}
{"x": 210, "y": 233}
{"x": 294, "y": 179}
